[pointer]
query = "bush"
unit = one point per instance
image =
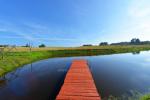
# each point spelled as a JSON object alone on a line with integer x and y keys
{"x": 42, "y": 45}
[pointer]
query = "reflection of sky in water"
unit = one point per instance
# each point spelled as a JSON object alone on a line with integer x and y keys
{"x": 119, "y": 74}
{"x": 20, "y": 87}
{"x": 147, "y": 60}
{"x": 37, "y": 81}
{"x": 113, "y": 74}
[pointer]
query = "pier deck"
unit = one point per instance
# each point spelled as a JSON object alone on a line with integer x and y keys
{"x": 79, "y": 83}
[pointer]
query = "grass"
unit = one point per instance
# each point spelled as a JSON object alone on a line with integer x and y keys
{"x": 13, "y": 60}
{"x": 25, "y": 49}
{"x": 101, "y": 50}
{"x": 22, "y": 56}
{"x": 145, "y": 97}
{"x": 132, "y": 95}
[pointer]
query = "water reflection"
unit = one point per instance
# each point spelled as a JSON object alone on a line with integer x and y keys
{"x": 136, "y": 52}
{"x": 119, "y": 74}
{"x": 38, "y": 81}
{"x": 114, "y": 75}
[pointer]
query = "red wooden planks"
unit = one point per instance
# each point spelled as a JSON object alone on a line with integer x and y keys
{"x": 78, "y": 84}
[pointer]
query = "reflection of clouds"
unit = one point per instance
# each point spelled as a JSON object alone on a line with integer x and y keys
{"x": 32, "y": 32}
{"x": 144, "y": 77}
{"x": 145, "y": 64}
{"x": 147, "y": 60}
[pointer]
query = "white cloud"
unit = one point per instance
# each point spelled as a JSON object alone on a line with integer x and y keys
{"x": 134, "y": 23}
{"x": 30, "y": 31}
{"x": 9, "y": 27}
{"x": 139, "y": 8}
{"x": 138, "y": 22}
{"x": 22, "y": 36}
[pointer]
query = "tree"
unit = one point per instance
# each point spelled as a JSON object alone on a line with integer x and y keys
{"x": 42, "y": 45}
{"x": 27, "y": 45}
{"x": 135, "y": 41}
{"x": 103, "y": 44}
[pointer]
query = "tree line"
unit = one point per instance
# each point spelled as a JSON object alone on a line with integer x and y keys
{"x": 134, "y": 41}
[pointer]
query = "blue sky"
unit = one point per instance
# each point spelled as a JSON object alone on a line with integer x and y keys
{"x": 73, "y": 22}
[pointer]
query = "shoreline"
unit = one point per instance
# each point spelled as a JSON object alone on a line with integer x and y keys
{"x": 14, "y": 60}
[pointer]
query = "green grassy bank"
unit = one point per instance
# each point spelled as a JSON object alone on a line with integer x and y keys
{"x": 13, "y": 60}
{"x": 145, "y": 97}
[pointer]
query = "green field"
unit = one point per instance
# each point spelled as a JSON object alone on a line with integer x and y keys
{"x": 21, "y": 56}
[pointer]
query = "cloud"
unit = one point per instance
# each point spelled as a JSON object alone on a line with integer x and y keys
{"x": 138, "y": 22}
{"x": 14, "y": 29}
{"x": 139, "y": 8}
{"x": 37, "y": 38}
{"x": 30, "y": 31}
{"x": 11, "y": 37}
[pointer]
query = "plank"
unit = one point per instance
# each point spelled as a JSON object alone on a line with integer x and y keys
{"x": 78, "y": 83}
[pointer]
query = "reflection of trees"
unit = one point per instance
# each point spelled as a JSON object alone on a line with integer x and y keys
{"x": 136, "y": 52}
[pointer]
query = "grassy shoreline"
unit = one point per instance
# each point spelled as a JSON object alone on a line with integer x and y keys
{"x": 16, "y": 59}
{"x": 13, "y": 60}
{"x": 145, "y": 97}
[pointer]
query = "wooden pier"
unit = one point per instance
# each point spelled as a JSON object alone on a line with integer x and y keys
{"x": 79, "y": 83}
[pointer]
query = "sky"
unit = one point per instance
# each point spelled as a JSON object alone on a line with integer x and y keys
{"x": 73, "y": 22}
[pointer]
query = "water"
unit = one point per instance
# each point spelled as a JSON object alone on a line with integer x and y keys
{"x": 120, "y": 74}
{"x": 38, "y": 81}
{"x": 115, "y": 75}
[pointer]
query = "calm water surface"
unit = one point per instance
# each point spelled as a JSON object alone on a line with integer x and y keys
{"x": 116, "y": 75}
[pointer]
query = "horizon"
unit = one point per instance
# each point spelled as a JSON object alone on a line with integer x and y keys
{"x": 23, "y": 45}
{"x": 73, "y": 22}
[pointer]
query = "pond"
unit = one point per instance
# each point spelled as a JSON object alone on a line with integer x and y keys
{"x": 116, "y": 75}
